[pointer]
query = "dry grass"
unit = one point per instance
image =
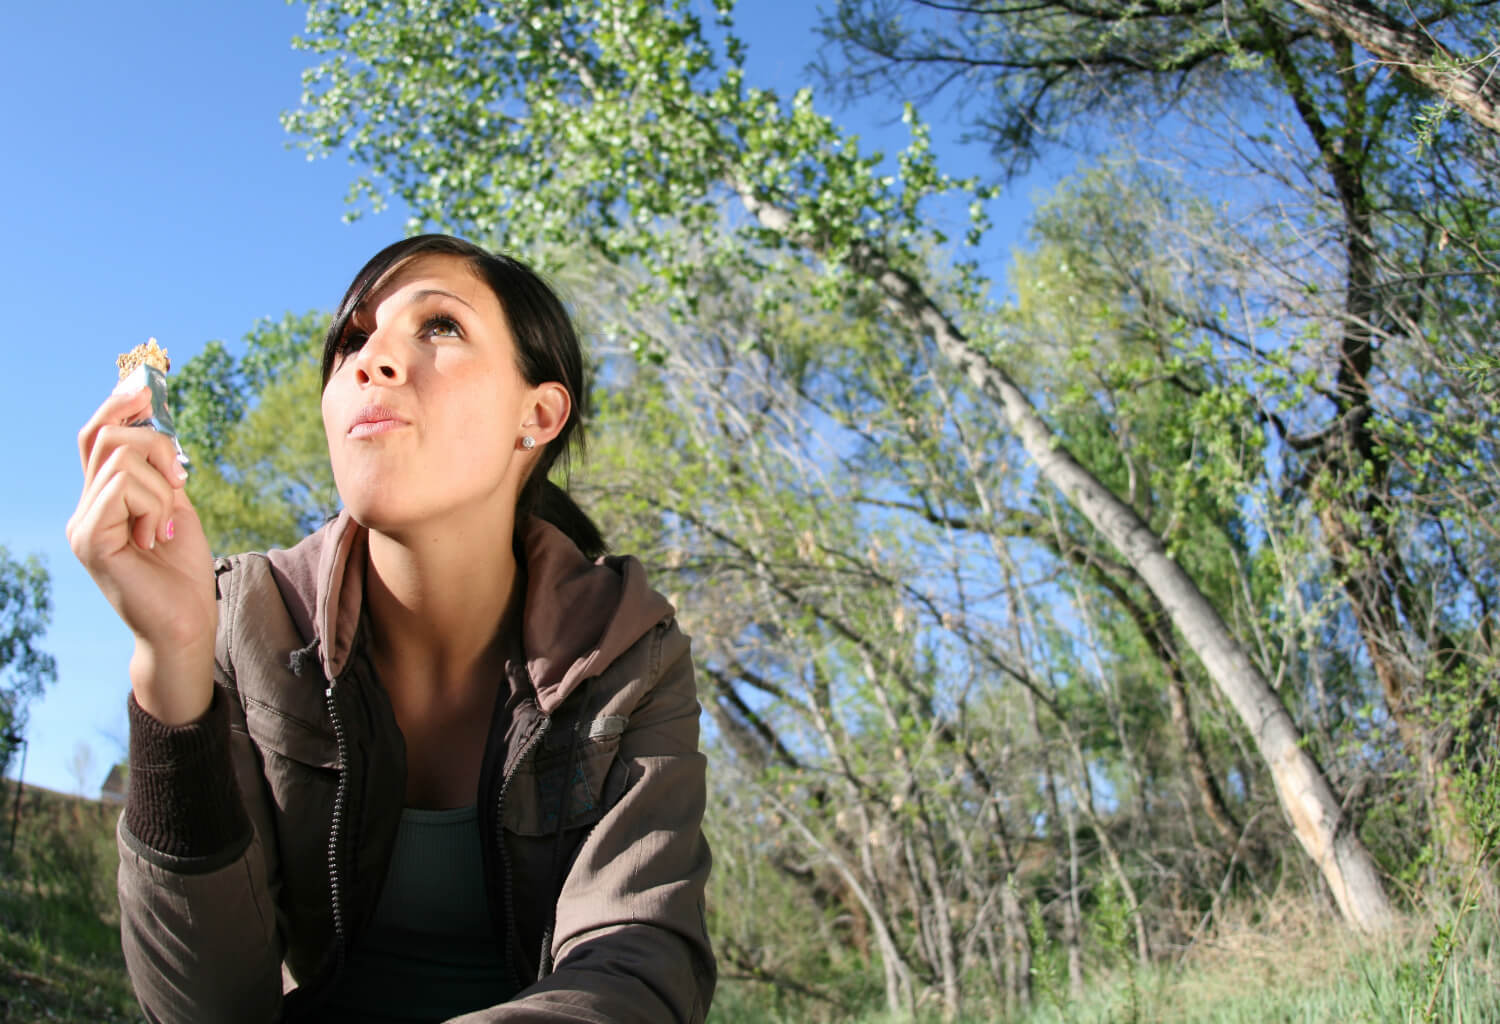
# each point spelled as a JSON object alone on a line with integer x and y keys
{"x": 1292, "y": 961}
{"x": 1291, "y": 943}
{"x": 60, "y": 954}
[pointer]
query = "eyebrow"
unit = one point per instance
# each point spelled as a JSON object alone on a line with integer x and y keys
{"x": 426, "y": 293}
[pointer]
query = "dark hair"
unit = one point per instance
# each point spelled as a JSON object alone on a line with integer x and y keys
{"x": 547, "y": 349}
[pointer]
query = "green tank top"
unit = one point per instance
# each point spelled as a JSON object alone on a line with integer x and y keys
{"x": 429, "y": 952}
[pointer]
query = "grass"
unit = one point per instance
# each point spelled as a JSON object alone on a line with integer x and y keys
{"x": 1299, "y": 967}
{"x": 1291, "y": 973}
{"x": 60, "y": 956}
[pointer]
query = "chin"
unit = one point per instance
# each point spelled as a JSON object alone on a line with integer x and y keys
{"x": 374, "y": 521}
{"x": 397, "y": 504}
{"x": 379, "y": 508}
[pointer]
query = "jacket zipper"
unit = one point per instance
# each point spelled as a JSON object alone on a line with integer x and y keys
{"x": 335, "y": 832}
{"x": 512, "y": 938}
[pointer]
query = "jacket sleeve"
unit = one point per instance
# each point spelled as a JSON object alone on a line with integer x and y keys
{"x": 631, "y": 940}
{"x": 197, "y": 911}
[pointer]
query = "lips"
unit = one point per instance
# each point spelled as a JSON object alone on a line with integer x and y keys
{"x": 375, "y": 419}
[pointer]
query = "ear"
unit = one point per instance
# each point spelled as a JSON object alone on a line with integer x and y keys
{"x": 547, "y": 409}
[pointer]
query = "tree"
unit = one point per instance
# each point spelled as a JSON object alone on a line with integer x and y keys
{"x": 592, "y": 122}
{"x": 1418, "y": 52}
{"x": 862, "y": 559}
{"x": 1349, "y": 376}
{"x": 25, "y": 669}
{"x": 260, "y": 476}
{"x": 81, "y": 768}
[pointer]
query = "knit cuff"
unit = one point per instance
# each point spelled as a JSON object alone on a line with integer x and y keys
{"x": 181, "y": 801}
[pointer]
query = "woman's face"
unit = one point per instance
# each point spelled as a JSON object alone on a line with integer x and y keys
{"x": 425, "y": 409}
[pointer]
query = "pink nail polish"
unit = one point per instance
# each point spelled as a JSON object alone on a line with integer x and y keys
{"x": 171, "y": 529}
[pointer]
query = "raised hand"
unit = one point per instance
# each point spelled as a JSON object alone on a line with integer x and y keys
{"x": 138, "y": 536}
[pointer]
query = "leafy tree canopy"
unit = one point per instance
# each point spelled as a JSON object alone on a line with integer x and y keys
{"x": 260, "y": 472}
{"x": 25, "y": 669}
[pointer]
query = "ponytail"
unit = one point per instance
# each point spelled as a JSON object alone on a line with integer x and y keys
{"x": 550, "y": 502}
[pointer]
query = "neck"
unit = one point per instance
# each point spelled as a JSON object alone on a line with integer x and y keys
{"x": 441, "y": 601}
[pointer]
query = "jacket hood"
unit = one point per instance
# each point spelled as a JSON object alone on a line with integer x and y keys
{"x": 578, "y": 617}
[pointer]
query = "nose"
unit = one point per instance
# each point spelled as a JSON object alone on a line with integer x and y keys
{"x": 378, "y": 361}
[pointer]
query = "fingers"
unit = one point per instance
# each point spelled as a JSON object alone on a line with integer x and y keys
{"x": 110, "y": 427}
{"x": 126, "y": 499}
{"x": 155, "y": 448}
{"x": 116, "y": 410}
{"x": 161, "y": 455}
{"x": 131, "y": 478}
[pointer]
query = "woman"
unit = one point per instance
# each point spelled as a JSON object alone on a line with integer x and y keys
{"x": 433, "y": 761}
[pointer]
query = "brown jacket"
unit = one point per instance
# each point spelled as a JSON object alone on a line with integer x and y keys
{"x": 254, "y": 842}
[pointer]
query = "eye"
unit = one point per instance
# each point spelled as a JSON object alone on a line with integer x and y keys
{"x": 441, "y": 326}
{"x": 352, "y": 341}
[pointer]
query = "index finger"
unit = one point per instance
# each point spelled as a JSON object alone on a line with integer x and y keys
{"x": 116, "y": 410}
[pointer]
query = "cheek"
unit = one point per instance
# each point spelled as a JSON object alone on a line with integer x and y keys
{"x": 475, "y": 398}
{"x": 329, "y": 407}
{"x": 334, "y": 400}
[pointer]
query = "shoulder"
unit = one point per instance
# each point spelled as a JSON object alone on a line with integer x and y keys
{"x": 281, "y": 582}
{"x": 243, "y": 587}
{"x": 660, "y": 653}
{"x": 264, "y": 622}
{"x": 649, "y": 682}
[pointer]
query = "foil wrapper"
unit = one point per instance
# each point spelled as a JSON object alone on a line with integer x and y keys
{"x": 160, "y": 419}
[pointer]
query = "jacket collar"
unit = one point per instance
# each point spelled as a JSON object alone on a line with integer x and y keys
{"x": 578, "y": 617}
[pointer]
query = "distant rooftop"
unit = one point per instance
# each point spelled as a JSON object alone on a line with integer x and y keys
{"x": 113, "y": 789}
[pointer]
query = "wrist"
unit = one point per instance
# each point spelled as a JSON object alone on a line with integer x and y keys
{"x": 174, "y": 686}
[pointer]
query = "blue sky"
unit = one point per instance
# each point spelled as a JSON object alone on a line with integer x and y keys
{"x": 150, "y": 191}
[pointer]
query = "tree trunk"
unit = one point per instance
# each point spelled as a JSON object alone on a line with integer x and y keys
{"x": 1158, "y": 636}
{"x": 1351, "y": 468}
{"x": 1073, "y": 912}
{"x": 1018, "y": 965}
{"x": 1210, "y": 797}
{"x": 1153, "y": 625}
{"x": 1106, "y": 844}
{"x": 900, "y": 992}
{"x": 1063, "y": 829}
{"x": 1305, "y": 793}
{"x": 1413, "y": 54}
{"x": 947, "y": 945}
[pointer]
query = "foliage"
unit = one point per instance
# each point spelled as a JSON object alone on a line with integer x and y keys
{"x": 25, "y": 669}
{"x": 1281, "y": 971}
{"x": 571, "y": 124}
{"x": 1340, "y": 301}
{"x": 260, "y": 473}
{"x": 892, "y": 615}
{"x": 945, "y": 700}
{"x": 60, "y": 955}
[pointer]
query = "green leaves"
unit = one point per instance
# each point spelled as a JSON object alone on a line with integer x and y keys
{"x": 260, "y": 475}
{"x": 1187, "y": 351}
{"x": 25, "y": 669}
{"x": 600, "y": 124}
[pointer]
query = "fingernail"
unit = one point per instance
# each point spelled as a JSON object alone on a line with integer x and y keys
{"x": 180, "y": 471}
{"x": 171, "y": 529}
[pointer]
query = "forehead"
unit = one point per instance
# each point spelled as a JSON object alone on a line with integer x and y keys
{"x": 411, "y": 279}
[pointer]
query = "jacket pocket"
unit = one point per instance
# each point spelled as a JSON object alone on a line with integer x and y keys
{"x": 311, "y": 745}
{"x": 588, "y": 784}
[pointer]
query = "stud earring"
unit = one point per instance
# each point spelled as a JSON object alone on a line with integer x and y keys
{"x": 528, "y": 442}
